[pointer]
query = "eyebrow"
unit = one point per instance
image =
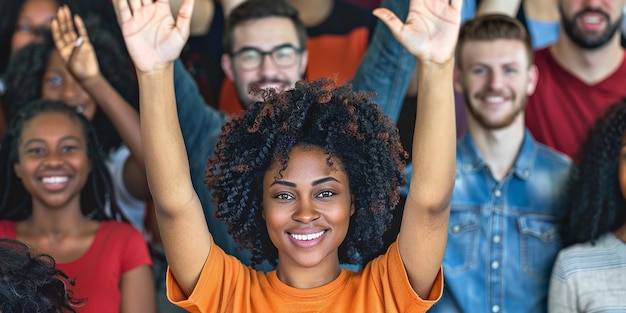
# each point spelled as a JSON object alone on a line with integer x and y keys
{"x": 315, "y": 182}
{"x": 76, "y": 138}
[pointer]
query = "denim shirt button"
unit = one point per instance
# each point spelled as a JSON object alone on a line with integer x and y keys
{"x": 526, "y": 173}
{"x": 495, "y": 265}
{"x": 456, "y": 229}
{"x": 495, "y": 309}
{"x": 496, "y": 239}
{"x": 497, "y": 193}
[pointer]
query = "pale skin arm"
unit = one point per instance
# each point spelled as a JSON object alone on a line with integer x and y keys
{"x": 137, "y": 288}
{"x": 82, "y": 62}
{"x": 508, "y": 7}
{"x": 430, "y": 34}
{"x": 154, "y": 40}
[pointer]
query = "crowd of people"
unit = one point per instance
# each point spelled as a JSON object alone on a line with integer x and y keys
{"x": 312, "y": 156}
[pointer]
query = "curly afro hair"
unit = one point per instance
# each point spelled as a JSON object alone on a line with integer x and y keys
{"x": 97, "y": 198}
{"x": 596, "y": 204}
{"x": 346, "y": 125}
{"x": 25, "y": 74}
{"x": 31, "y": 283}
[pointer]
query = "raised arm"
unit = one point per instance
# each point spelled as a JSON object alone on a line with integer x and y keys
{"x": 80, "y": 58}
{"x": 154, "y": 40}
{"x": 430, "y": 34}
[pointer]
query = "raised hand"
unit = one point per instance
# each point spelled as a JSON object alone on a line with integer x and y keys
{"x": 431, "y": 29}
{"x": 153, "y": 38}
{"x": 74, "y": 45}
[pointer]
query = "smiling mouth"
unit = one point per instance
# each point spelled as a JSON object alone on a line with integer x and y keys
{"x": 54, "y": 179}
{"x": 307, "y": 237}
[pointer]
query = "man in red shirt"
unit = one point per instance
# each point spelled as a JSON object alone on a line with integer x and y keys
{"x": 580, "y": 76}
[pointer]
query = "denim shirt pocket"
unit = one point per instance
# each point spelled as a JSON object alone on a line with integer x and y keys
{"x": 540, "y": 243}
{"x": 462, "y": 249}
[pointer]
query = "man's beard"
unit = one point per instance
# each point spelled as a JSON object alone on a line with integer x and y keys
{"x": 583, "y": 41}
{"x": 495, "y": 125}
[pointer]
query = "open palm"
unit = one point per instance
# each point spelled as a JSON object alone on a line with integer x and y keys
{"x": 431, "y": 29}
{"x": 152, "y": 36}
{"x": 74, "y": 46}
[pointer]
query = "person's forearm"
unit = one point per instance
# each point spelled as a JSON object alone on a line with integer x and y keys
{"x": 434, "y": 143}
{"x": 508, "y": 7}
{"x": 125, "y": 120}
{"x": 164, "y": 148}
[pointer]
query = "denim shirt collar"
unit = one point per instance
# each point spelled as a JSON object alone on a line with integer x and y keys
{"x": 469, "y": 159}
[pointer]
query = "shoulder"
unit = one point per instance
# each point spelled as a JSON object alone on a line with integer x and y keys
{"x": 552, "y": 158}
{"x": 587, "y": 257}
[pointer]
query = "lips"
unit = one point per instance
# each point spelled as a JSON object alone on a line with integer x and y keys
{"x": 592, "y": 20}
{"x": 55, "y": 182}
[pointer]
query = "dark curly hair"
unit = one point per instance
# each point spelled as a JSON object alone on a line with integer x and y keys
{"x": 26, "y": 71}
{"x": 343, "y": 123}
{"x": 31, "y": 283}
{"x": 97, "y": 198}
{"x": 595, "y": 203}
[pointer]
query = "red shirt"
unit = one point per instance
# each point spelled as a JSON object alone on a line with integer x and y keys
{"x": 564, "y": 109}
{"x": 117, "y": 248}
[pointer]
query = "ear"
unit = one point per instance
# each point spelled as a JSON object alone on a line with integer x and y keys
{"x": 533, "y": 78}
{"x": 458, "y": 87}
{"x": 18, "y": 170}
{"x": 227, "y": 67}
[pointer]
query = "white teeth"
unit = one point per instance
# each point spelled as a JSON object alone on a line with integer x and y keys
{"x": 307, "y": 237}
{"x": 592, "y": 19}
{"x": 494, "y": 99}
{"x": 269, "y": 86}
{"x": 54, "y": 180}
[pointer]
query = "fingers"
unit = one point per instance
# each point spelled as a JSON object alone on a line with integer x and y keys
{"x": 135, "y": 5}
{"x": 122, "y": 10}
{"x": 80, "y": 27}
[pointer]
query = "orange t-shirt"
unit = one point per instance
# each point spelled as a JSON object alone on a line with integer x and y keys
{"x": 226, "y": 285}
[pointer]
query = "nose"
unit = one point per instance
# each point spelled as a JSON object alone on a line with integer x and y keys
{"x": 267, "y": 67}
{"x": 53, "y": 159}
{"x": 593, "y": 3}
{"x": 495, "y": 80}
{"x": 305, "y": 212}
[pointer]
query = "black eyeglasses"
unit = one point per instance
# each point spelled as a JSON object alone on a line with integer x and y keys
{"x": 250, "y": 58}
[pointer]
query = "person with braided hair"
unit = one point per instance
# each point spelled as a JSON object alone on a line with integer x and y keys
{"x": 57, "y": 197}
{"x": 589, "y": 273}
{"x": 309, "y": 174}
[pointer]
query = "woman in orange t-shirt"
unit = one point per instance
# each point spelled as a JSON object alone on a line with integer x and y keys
{"x": 306, "y": 179}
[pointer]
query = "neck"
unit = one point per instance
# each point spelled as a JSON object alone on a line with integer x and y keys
{"x": 500, "y": 147}
{"x": 312, "y": 13}
{"x": 55, "y": 221}
{"x": 307, "y": 277}
{"x": 590, "y": 66}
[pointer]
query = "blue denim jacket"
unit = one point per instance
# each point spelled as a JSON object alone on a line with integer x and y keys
{"x": 503, "y": 235}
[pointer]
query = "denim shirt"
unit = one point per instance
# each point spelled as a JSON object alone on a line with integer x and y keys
{"x": 503, "y": 236}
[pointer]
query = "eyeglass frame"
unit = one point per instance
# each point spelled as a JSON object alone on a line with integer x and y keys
{"x": 262, "y": 53}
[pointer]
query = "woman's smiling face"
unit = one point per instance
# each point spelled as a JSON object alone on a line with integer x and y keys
{"x": 307, "y": 208}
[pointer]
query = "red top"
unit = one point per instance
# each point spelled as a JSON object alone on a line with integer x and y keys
{"x": 117, "y": 248}
{"x": 564, "y": 109}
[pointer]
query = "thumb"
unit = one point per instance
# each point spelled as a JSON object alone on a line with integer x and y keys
{"x": 183, "y": 20}
{"x": 394, "y": 24}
